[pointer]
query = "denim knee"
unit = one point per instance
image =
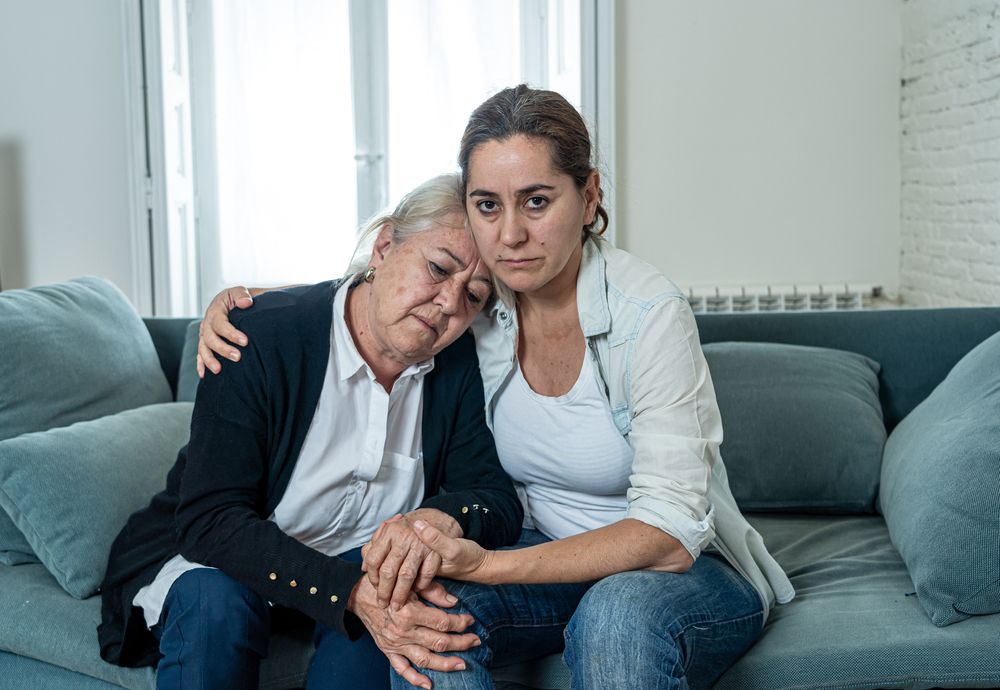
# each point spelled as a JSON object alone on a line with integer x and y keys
{"x": 226, "y": 608}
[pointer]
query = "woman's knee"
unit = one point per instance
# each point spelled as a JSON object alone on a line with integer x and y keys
{"x": 221, "y": 603}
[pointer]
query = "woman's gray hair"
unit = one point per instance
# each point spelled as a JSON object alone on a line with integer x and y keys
{"x": 420, "y": 210}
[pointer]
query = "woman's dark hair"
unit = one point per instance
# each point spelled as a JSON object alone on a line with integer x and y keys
{"x": 535, "y": 113}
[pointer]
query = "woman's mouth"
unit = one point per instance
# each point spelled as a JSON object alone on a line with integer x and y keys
{"x": 427, "y": 324}
{"x": 517, "y": 263}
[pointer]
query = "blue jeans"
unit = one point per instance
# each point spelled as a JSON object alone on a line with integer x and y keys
{"x": 639, "y": 629}
{"x": 214, "y": 631}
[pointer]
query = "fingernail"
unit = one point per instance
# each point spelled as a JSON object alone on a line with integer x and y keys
{"x": 459, "y": 667}
{"x": 243, "y": 341}
{"x": 234, "y": 355}
{"x": 419, "y": 525}
{"x": 451, "y": 598}
{"x": 477, "y": 642}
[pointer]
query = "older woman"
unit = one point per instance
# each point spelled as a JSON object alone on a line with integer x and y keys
{"x": 355, "y": 401}
{"x": 605, "y": 416}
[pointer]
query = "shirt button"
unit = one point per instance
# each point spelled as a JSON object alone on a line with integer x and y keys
{"x": 272, "y": 577}
{"x": 334, "y": 599}
{"x": 313, "y": 590}
{"x": 465, "y": 509}
{"x": 293, "y": 583}
{"x": 503, "y": 316}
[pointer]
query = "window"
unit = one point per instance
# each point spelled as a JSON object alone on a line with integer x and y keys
{"x": 309, "y": 116}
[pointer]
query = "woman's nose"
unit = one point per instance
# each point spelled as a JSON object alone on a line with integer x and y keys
{"x": 449, "y": 296}
{"x": 513, "y": 231}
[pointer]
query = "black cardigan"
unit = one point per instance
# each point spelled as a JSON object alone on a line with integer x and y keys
{"x": 247, "y": 430}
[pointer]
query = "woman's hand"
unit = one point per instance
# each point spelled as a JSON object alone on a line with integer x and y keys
{"x": 461, "y": 559}
{"x": 397, "y": 562}
{"x": 415, "y": 634}
{"x": 215, "y": 326}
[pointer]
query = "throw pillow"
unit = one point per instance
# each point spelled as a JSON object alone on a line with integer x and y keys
{"x": 70, "y": 490}
{"x": 941, "y": 490}
{"x": 802, "y": 426}
{"x": 71, "y": 352}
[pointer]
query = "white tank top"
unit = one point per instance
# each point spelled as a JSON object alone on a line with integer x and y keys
{"x": 565, "y": 454}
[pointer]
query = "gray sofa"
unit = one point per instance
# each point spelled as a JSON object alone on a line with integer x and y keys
{"x": 804, "y": 455}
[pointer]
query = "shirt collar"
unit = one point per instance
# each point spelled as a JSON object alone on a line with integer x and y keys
{"x": 348, "y": 360}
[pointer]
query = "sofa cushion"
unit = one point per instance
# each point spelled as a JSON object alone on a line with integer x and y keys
{"x": 941, "y": 490}
{"x": 802, "y": 426}
{"x": 854, "y": 622}
{"x": 70, "y": 490}
{"x": 71, "y": 352}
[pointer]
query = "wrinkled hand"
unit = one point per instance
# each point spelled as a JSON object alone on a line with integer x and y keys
{"x": 397, "y": 562}
{"x": 416, "y": 634}
{"x": 461, "y": 559}
{"x": 216, "y": 326}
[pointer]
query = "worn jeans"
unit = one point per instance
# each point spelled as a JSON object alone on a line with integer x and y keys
{"x": 640, "y": 629}
{"x": 214, "y": 631}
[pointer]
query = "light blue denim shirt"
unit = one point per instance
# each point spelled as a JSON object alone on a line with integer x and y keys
{"x": 644, "y": 338}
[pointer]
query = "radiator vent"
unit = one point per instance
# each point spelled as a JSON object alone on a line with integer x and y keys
{"x": 784, "y": 298}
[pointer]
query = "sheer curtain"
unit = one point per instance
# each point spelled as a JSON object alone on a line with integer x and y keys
{"x": 284, "y": 133}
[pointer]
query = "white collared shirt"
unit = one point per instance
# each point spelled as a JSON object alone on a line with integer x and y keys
{"x": 361, "y": 461}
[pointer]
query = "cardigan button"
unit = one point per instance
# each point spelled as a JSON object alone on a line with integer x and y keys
{"x": 313, "y": 590}
{"x": 272, "y": 577}
{"x": 293, "y": 583}
{"x": 334, "y": 599}
{"x": 465, "y": 509}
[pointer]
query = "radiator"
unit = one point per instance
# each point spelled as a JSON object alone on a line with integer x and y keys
{"x": 783, "y": 298}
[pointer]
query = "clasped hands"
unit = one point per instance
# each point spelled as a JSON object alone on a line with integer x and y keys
{"x": 389, "y": 599}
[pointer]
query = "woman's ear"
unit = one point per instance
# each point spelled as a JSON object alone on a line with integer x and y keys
{"x": 383, "y": 243}
{"x": 591, "y": 196}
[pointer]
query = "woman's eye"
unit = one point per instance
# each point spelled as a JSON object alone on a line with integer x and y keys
{"x": 537, "y": 202}
{"x": 487, "y": 206}
{"x": 437, "y": 270}
{"x": 474, "y": 298}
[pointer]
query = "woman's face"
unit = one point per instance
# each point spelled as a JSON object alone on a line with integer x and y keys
{"x": 426, "y": 292}
{"x": 527, "y": 216}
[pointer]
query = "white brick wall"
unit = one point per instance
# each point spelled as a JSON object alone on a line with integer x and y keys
{"x": 950, "y": 111}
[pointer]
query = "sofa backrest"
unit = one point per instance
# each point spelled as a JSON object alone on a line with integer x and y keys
{"x": 916, "y": 347}
{"x": 169, "y": 336}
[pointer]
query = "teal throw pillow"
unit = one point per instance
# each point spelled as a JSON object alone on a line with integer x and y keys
{"x": 941, "y": 490}
{"x": 71, "y": 352}
{"x": 802, "y": 426}
{"x": 70, "y": 490}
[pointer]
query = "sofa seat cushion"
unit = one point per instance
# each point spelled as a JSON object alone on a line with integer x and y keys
{"x": 803, "y": 428}
{"x": 941, "y": 490}
{"x": 71, "y": 352}
{"x": 70, "y": 490}
{"x": 855, "y": 622}
{"x": 40, "y": 621}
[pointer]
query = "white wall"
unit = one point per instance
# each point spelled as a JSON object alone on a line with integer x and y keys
{"x": 951, "y": 153}
{"x": 758, "y": 142}
{"x": 64, "y": 185}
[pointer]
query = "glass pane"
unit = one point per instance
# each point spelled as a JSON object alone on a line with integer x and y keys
{"x": 445, "y": 58}
{"x": 287, "y": 197}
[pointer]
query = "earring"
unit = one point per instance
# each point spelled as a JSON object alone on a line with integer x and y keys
{"x": 370, "y": 274}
